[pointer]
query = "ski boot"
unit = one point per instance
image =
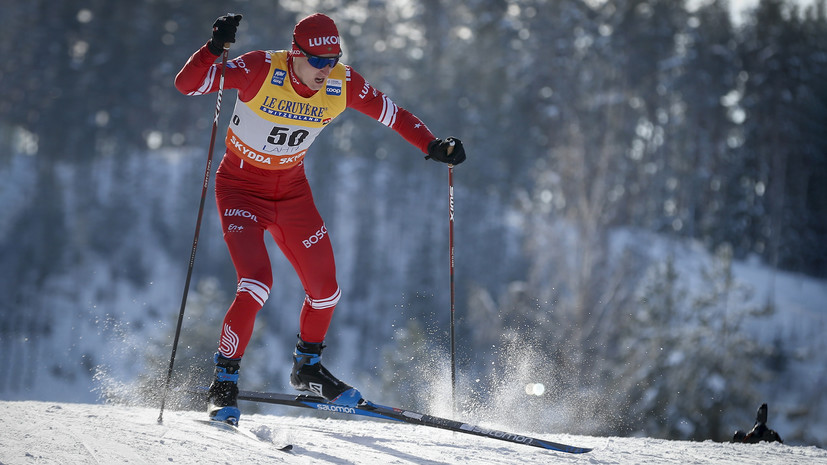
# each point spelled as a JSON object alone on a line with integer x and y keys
{"x": 222, "y": 396}
{"x": 309, "y": 375}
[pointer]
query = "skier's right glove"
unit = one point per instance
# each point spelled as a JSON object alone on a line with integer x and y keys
{"x": 448, "y": 151}
{"x": 223, "y": 32}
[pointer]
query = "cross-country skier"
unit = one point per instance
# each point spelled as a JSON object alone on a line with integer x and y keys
{"x": 285, "y": 99}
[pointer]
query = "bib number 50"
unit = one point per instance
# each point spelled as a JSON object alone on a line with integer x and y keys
{"x": 282, "y": 136}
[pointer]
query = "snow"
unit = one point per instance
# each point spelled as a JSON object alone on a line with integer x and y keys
{"x": 36, "y": 432}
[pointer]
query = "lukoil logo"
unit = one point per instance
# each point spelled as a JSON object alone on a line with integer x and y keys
{"x": 238, "y": 212}
{"x": 318, "y": 41}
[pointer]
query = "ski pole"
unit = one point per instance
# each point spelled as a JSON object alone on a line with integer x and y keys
{"x": 451, "y": 275}
{"x": 451, "y": 260}
{"x": 204, "y": 188}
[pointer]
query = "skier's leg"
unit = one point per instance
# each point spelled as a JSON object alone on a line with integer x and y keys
{"x": 245, "y": 242}
{"x": 301, "y": 234}
{"x": 243, "y": 221}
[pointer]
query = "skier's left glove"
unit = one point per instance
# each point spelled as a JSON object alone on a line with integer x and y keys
{"x": 448, "y": 151}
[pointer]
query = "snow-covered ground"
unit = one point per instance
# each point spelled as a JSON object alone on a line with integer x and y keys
{"x": 65, "y": 433}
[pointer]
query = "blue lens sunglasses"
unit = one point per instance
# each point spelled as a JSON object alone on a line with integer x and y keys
{"x": 317, "y": 61}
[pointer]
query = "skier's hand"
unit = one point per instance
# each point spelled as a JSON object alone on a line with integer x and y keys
{"x": 223, "y": 32}
{"x": 448, "y": 151}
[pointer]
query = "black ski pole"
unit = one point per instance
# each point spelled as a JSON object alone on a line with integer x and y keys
{"x": 204, "y": 188}
{"x": 451, "y": 276}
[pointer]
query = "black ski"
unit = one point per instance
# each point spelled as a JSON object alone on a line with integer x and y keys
{"x": 396, "y": 414}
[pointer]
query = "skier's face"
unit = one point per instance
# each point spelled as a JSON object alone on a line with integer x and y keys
{"x": 312, "y": 77}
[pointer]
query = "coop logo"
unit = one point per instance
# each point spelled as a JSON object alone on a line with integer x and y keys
{"x": 238, "y": 212}
{"x": 235, "y": 228}
{"x": 278, "y": 77}
{"x": 315, "y": 238}
{"x": 334, "y": 87}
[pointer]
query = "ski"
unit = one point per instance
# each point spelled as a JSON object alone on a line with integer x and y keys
{"x": 372, "y": 410}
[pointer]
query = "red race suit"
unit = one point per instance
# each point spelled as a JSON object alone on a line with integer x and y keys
{"x": 261, "y": 185}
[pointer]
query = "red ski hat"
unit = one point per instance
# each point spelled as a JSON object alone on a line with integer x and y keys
{"x": 317, "y": 35}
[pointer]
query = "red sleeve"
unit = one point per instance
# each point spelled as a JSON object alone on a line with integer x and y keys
{"x": 201, "y": 74}
{"x": 369, "y": 100}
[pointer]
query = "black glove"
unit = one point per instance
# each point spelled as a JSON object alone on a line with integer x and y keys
{"x": 223, "y": 32}
{"x": 448, "y": 151}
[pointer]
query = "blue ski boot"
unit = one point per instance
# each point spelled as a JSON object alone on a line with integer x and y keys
{"x": 222, "y": 397}
{"x": 309, "y": 375}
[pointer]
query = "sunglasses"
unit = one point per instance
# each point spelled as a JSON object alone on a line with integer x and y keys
{"x": 317, "y": 61}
